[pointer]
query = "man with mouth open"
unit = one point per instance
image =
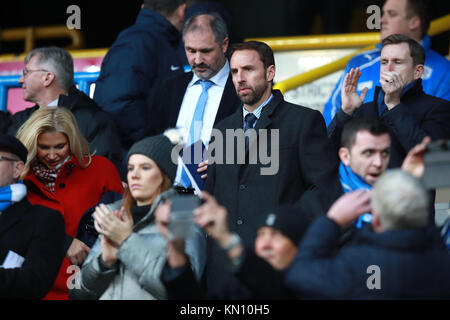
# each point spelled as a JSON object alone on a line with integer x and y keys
{"x": 364, "y": 156}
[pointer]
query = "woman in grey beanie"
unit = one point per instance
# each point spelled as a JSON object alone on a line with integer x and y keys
{"x": 129, "y": 255}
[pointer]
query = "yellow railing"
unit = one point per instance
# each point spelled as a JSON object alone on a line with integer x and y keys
{"x": 30, "y": 34}
{"x": 334, "y": 41}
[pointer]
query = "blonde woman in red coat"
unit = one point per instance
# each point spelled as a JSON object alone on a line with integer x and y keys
{"x": 61, "y": 174}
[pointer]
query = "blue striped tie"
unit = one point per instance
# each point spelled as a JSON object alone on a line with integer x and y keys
{"x": 197, "y": 123}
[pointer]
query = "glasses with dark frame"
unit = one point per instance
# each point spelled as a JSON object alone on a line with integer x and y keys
{"x": 2, "y": 158}
{"x": 28, "y": 71}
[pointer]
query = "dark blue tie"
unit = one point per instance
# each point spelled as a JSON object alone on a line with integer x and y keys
{"x": 249, "y": 121}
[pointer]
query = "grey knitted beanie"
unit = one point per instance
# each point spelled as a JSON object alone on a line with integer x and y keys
{"x": 159, "y": 149}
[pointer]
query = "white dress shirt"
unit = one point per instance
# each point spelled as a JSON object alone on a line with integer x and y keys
{"x": 189, "y": 103}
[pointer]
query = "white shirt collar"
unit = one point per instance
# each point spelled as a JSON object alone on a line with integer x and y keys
{"x": 54, "y": 103}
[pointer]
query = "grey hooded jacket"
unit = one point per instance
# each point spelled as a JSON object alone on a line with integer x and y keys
{"x": 141, "y": 257}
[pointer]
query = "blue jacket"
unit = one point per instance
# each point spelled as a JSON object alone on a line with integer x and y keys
{"x": 435, "y": 78}
{"x": 412, "y": 264}
{"x": 147, "y": 52}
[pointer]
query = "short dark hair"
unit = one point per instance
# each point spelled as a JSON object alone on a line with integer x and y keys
{"x": 264, "y": 51}
{"x": 164, "y": 7}
{"x": 419, "y": 8}
{"x": 216, "y": 23}
{"x": 355, "y": 125}
{"x": 416, "y": 51}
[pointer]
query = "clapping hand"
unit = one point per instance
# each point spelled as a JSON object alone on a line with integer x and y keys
{"x": 115, "y": 226}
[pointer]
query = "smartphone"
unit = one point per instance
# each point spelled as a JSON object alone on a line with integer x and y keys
{"x": 181, "y": 224}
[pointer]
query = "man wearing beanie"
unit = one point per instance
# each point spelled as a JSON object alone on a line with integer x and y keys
{"x": 31, "y": 236}
{"x": 262, "y": 270}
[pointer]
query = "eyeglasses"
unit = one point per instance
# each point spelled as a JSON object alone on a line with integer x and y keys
{"x": 8, "y": 159}
{"x": 26, "y": 71}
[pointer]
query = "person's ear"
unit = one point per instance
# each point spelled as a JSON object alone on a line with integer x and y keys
{"x": 18, "y": 169}
{"x": 49, "y": 77}
{"x": 270, "y": 73}
{"x": 418, "y": 71}
{"x": 414, "y": 23}
{"x": 344, "y": 155}
{"x": 225, "y": 43}
{"x": 181, "y": 14}
{"x": 376, "y": 225}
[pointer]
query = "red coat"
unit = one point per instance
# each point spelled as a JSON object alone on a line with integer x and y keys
{"x": 76, "y": 190}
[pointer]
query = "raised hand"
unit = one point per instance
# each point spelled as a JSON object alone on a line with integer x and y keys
{"x": 213, "y": 218}
{"x": 349, "y": 207}
{"x": 392, "y": 84}
{"x": 350, "y": 99}
{"x": 414, "y": 162}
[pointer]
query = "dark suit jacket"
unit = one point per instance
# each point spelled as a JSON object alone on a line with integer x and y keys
{"x": 306, "y": 163}
{"x": 37, "y": 234}
{"x": 165, "y": 104}
{"x": 417, "y": 116}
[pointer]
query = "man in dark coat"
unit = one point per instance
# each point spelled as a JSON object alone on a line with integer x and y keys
{"x": 176, "y": 101}
{"x": 402, "y": 259}
{"x": 400, "y": 103}
{"x": 142, "y": 55}
{"x": 301, "y": 156}
{"x": 31, "y": 236}
{"x": 47, "y": 80}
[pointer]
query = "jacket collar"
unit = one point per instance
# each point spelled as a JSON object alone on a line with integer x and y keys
{"x": 403, "y": 239}
{"x": 266, "y": 115}
{"x": 31, "y": 178}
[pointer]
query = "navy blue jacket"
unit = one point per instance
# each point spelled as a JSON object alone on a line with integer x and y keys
{"x": 412, "y": 265}
{"x": 142, "y": 55}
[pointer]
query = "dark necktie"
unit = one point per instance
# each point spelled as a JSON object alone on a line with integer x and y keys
{"x": 249, "y": 121}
